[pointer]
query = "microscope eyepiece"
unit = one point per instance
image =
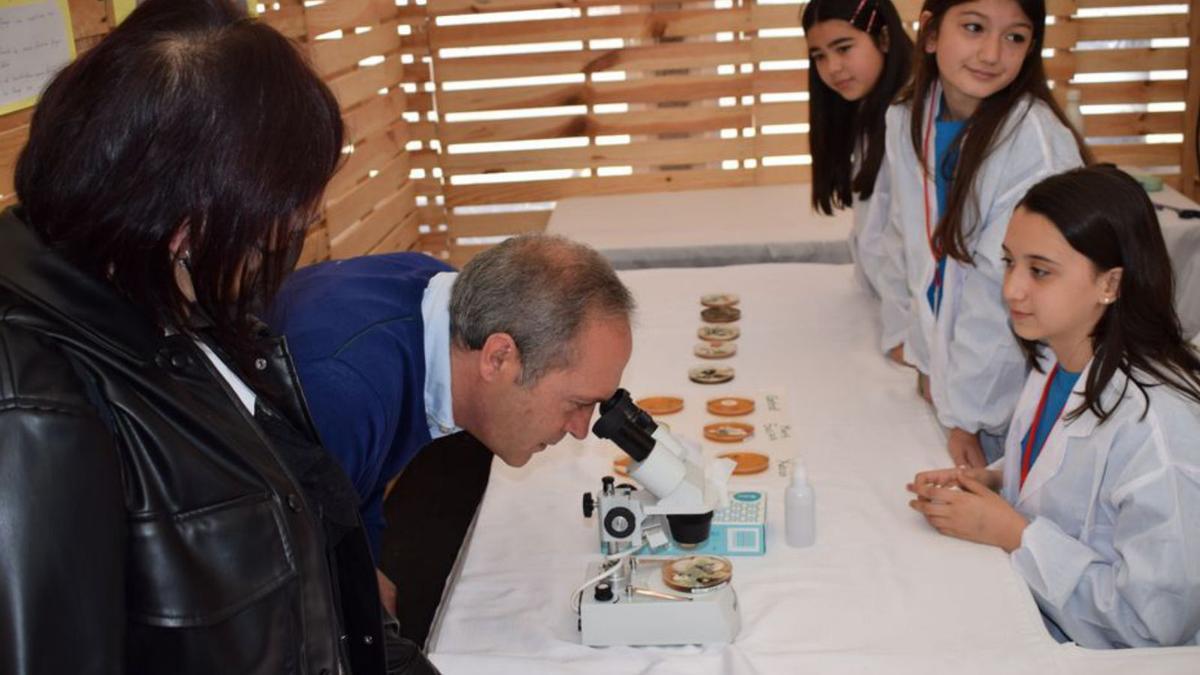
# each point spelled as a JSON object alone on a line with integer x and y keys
{"x": 627, "y": 425}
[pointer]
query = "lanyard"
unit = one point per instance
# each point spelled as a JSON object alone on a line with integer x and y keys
{"x": 934, "y": 96}
{"x": 1027, "y": 454}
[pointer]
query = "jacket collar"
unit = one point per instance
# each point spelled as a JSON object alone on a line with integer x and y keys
{"x": 90, "y": 307}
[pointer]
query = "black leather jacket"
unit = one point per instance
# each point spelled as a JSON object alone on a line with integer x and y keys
{"x": 158, "y": 530}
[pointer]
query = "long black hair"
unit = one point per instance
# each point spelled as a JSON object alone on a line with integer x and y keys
{"x": 188, "y": 117}
{"x": 837, "y": 127}
{"x": 1105, "y": 214}
{"x": 978, "y": 135}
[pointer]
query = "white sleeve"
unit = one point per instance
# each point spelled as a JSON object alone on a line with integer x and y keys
{"x": 985, "y": 366}
{"x": 882, "y": 255}
{"x": 1150, "y": 594}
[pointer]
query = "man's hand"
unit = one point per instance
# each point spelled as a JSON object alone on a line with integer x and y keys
{"x": 973, "y": 512}
{"x": 387, "y": 592}
{"x": 965, "y": 449}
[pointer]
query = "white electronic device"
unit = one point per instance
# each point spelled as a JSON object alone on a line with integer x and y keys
{"x": 642, "y": 600}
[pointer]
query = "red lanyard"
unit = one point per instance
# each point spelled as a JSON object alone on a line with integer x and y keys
{"x": 934, "y": 95}
{"x": 1027, "y": 455}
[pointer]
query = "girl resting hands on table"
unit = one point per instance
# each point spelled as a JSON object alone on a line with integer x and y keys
{"x": 1098, "y": 492}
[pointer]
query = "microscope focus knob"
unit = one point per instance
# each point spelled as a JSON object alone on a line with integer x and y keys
{"x": 604, "y": 592}
{"x": 589, "y": 505}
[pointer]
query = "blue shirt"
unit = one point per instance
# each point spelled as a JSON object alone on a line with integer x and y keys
{"x": 946, "y": 149}
{"x": 356, "y": 333}
{"x": 1056, "y": 399}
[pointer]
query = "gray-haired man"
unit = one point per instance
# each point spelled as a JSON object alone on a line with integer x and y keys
{"x": 395, "y": 350}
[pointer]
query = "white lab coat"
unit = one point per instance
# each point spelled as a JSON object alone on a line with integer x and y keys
{"x": 973, "y": 361}
{"x": 1112, "y": 552}
{"x": 875, "y": 270}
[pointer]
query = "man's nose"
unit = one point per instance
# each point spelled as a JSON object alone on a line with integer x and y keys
{"x": 577, "y": 422}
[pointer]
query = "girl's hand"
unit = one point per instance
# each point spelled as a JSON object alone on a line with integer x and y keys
{"x": 974, "y": 512}
{"x": 965, "y": 449}
{"x": 897, "y": 354}
{"x": 949, "y": 478}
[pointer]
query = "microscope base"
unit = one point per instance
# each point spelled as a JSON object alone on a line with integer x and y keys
{"x": 637, "y": 619}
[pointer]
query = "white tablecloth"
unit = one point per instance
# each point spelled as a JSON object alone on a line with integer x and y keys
{"x": 698, "y": 228}
{"x": 880, "y": 592}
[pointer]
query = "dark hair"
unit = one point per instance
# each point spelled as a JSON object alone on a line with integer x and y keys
{"x": 837, "y": 127}
{"x": 1105, "y": 214}
{"x": 977, "y": 138}
{"x": 539, "y": 289}
{"x": 188, "y": 115}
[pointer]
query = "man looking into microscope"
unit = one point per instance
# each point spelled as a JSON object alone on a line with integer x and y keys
{"x": 396, "y": 350}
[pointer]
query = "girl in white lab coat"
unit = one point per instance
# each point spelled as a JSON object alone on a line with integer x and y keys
{"x": 1099, "y": 488}
{"x": 860, "y": 57}
{"x": 977, "y": 129}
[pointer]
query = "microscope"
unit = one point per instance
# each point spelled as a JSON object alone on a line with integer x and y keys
{"x": 632, "y": 597}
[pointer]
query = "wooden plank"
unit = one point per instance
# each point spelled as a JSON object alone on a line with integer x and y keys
{"x": 373, "y": 153}
{"x": 908, "y": 9}
{"x": 11, "y": 144}
{"x": 365, "y": 234}
{"x": 344, "y": 210}
{"x": 89, "y": 18}
{"x": 632, "y": 59}
{"x": 497, "y": 224}
{"x": 665, "y": 181}
{"x": 288, "y": 19}
{"x": 316, "y": 247}
{"x": 461, "y": 255}
{"x": 1140, "y": 154}
{"x": 380, "y": 112}
{"x": 335, "y": 56}
{"x": 1132, "y": 27}
{"x": 1091, "y": 4}
{"x": 644, "y": 26}
{"x": 646, "y": 90}
{"x": 336, "y": 14}
{"x": 668, "y": 120}
{"x": 361, "y": 84}
{"x": 781, "y": 113}
{"x": 1133, "y": 124}
{"x": 1125, "y": 60}
{"x": 1161, "y": 91}
{"x": 403, "y": 237}
{"x": 16, "y": 119}
{"x": 431, "y": 215}
{"x": 652, "y": 153}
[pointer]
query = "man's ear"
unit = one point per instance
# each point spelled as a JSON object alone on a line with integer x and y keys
{"x": 499, "y": 358}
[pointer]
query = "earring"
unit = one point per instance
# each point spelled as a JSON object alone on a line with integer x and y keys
{"x": 1107, "y": 301}
{"x": 185, "y": 259}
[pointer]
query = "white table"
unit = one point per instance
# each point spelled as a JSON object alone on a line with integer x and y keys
{"x": 696, "y": 228}
{"x": 880, "y": 592}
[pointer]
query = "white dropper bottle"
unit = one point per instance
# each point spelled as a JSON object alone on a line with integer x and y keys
{"x": 800, "y": 508}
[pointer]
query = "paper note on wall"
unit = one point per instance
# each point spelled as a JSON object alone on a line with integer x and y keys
{"x": 35, "y": 42}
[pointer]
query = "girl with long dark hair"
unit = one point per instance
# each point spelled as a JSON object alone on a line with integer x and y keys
{"x": 860, "y": 58}
{"x": 1099, "y": 491}
{"x": 976, "y": 129}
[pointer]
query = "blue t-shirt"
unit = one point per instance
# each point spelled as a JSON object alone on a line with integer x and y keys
{"x": 356, "y": 334}
{"x": 945, "y": 160}
{"x": 1060, "y": 390}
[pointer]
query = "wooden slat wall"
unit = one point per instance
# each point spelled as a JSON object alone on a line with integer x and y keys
{"x": 1119, "y": 46}
{"x": 89, "y": 22}
{"x": 370, "y": 204}
{"x": 657, "y": 96}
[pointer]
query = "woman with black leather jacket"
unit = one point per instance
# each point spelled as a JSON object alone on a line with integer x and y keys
{"x": 165, "y": 506}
